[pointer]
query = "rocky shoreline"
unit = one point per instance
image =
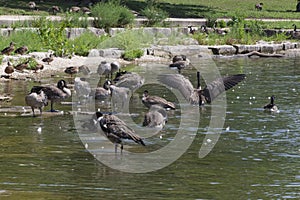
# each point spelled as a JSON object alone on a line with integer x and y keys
{"x": 155, "y": 54}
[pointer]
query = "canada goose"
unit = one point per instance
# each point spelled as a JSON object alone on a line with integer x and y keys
{"x": 20, "y": 67}
{"x": 119, "y": 75}
{"x": 104, "y": 92}
{"x": 295, "y": 34}
{"x": 48, "y": 59}
{"x": 21, "y": 50}
{"x": 105, "y": 68}
{"x": 180, "y": 62}
{"x": 32, "y": 5}
{"x": 155, "y": 117}
{"x": 38, "y": 67}
{"x": 9, "y": 69}
{"x": 74, "y": 9}
{"x": 198, "y": 95}
{"x": 271, "y": 106}
{"x": 130, "y": 80}
{"x": 55, "y": 10}
{"x": 54, "y": 93}
{"x": 116, "y": 130}
{"x": 86, "y": 10}
{"x": 36, "y": 100}
{"x": 82, "y": 87}
{"x": 8, "y": 50}
{"x": 259, "y": 6}
{"x": 148, "y": 101}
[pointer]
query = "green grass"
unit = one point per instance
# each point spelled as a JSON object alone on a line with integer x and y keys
{"x": 175, "y": 8}
{"x": 223, "y": 8}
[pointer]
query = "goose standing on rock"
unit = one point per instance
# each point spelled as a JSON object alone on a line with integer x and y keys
{"x": 48, "y": 59}
{"x": 271, "y": 107}
{"x": 54, "y": 93}
{"x": 8, "y": 50}
{"x": 149, "y": 101}
{"x": 36, "y": 100}
{"x": 20, "y": 67}
{"x": 9, "y": 69}
{"x": 198, "y": 95}
{"x": 116, "y": 130}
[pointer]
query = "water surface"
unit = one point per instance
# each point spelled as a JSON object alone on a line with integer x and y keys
{"x": 256, "y": 157}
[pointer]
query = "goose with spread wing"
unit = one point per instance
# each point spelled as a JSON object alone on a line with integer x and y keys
{"x": 198, "y": 95}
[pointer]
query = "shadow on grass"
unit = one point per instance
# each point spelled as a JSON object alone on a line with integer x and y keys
{"x": 177, "y": 10}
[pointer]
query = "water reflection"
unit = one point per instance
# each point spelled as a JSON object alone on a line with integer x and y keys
{"x": 257, "y": 157}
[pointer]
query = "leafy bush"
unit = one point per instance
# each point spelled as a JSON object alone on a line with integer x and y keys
{"x": 85, "y": 42}
{"x": 155, "y": 15}
{"x": 111, "y": 14}
{"x": 132, "y": 54}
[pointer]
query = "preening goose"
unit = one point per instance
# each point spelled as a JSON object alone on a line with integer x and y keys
{"x": 36, "y": 100}
{"x": 116, "y": 130}
{"x": 54, "y": 93}
{"x": 198, "y": 95}
{"x": 149, "y": 101}
{"x": 129, "y": 80}
{"x": 155, "y": 117}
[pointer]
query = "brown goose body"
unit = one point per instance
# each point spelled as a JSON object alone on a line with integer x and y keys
{"x": 20, "y": 67}
{"x": 21, "y": 50}
{"x": 116, "y": 130}
{"x": 9, "y": 69}
{"x": 149, "y": 101}
{"x": 198, "y": 95}
{"x": 54, "y": 93}
{"x": 8, "y": 50}
{"x": 48, "y": 59}
{"x": 36, "y": 100}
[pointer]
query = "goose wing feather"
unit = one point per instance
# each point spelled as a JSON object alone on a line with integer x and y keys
{"x": 219, "y": 85}
{"x": 179, "y": 82}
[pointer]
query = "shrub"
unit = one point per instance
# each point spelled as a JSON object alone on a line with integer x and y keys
{"x": 155, "y": 15}
{"x": 132, "y": 54}
{"x": 111, "y": 14}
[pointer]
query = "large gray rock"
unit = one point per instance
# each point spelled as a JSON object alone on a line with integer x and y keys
{"x": 223, "y": 50}
{"x": 111, "y": 53}
{"x": 242, "y": 49}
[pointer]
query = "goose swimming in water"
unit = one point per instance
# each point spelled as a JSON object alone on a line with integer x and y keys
{"x": 54, "y": 93}
{"x": 198, "y": 95}
{"x": 116, "y": 130}
{"x": 103, "y": 92}
{"x": 36, "y": 100}
{"x": 271, "y": 107}
{"x": 148, "y": 101}
{"x": 180, "y": 62}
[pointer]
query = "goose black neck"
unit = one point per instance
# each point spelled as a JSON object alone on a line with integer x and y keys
{"x": 198, "y": 79}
